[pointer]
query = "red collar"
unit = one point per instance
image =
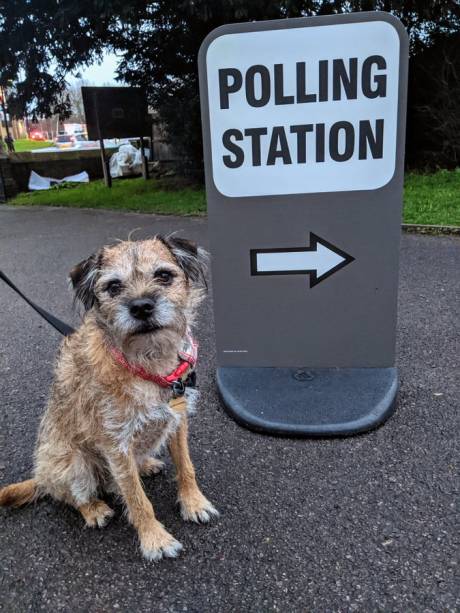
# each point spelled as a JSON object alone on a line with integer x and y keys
{"x": 187, "y": 359}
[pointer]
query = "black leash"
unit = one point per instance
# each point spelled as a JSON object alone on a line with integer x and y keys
{"x": 57, "y": 324}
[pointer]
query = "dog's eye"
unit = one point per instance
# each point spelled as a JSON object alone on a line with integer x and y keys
{"x": 165, "y": 276}
{"x": 113, "y": 288}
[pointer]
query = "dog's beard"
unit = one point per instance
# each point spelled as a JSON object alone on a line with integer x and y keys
{"x": 147, "y": 328}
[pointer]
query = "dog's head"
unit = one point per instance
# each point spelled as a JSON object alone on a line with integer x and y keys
{"x": 139, "y": 288}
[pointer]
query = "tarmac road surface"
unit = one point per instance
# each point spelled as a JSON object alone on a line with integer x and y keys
{"x": 357, "y": 524}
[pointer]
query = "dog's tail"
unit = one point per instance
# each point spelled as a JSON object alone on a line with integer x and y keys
{"x": 18, "y": 494}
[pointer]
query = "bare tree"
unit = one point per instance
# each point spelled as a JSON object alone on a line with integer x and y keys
{"x": 76, "y": 100}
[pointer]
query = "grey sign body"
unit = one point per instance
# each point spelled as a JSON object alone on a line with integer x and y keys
{"x": 303, "y": 126}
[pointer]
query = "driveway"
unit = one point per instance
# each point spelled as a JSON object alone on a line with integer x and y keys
{"x": 365, "y": 523}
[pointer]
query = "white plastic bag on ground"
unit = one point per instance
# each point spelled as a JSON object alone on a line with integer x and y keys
{"x": 126, "y": 161}
{"x": 37, "y": 182}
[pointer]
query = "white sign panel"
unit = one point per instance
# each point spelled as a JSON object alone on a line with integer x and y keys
{"x": 292, "y": 112}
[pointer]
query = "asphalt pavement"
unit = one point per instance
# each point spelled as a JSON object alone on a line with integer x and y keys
{"x": 366, "y": 523}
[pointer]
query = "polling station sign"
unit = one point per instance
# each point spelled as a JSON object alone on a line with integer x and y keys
{"x": 303, "y": 130}
{"x": 295, "y": 114}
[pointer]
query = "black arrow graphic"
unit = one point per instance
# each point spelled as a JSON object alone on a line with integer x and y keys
{"x": 320, "y": 260}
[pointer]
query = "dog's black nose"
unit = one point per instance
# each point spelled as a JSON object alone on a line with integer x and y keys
{"x": 141, "y": 308}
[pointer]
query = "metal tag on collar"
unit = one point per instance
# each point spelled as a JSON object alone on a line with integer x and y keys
{"x": 178, "y": 388}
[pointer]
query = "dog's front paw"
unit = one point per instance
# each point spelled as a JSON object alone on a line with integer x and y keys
{"x": 158, "y": 543}
{"x": 151, "y": 466}
{"x": 196, "y": 507}
{"x": 96, "y": 513}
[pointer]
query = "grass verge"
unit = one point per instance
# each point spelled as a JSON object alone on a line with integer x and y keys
{"x": 24, "y": 144}
{"x": 432, "y": 198}
{"x": 428, "y": 198}
{"x": 125, "y": 194}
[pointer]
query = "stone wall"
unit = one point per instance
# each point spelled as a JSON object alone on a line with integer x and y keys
{"x": 16, "y": 167}
{"x": 54, "y": 164}
{"x": 8, "y": 185}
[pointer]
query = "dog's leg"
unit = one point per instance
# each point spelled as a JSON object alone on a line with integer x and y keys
{"x": 155, "y": 541}
{"x": 194, "y": 506}
{"x": 95, "y": 513}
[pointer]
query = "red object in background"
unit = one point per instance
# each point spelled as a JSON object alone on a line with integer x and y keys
{"x": 36, "y": 135}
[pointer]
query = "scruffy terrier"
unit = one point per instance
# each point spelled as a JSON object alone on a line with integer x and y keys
{"x": 116, "y": 397}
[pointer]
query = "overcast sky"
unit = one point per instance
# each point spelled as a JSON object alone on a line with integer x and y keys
{"x": 100, "y": 74}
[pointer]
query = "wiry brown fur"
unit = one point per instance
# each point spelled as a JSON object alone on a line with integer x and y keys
{"x": 103, "y": 424}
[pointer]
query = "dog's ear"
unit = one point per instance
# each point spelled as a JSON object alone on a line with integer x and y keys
{"x": 83, "y": 278}
{"x": 192, "y": 259}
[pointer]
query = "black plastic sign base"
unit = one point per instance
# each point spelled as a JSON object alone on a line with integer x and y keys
{"x": 309, "y": 402}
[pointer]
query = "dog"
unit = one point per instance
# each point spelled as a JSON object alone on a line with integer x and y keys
{"x": 116, "y": 398}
